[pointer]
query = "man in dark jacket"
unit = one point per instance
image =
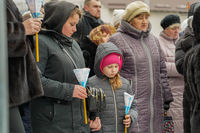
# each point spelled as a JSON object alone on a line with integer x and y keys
{"x": 24, "y": 80}
{"x": 183, "y": 46}
{"x": 90, "y": 20}
{"x": 192, "y": 77}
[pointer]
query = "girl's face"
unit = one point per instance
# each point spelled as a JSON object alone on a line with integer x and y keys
{"x": 141, "y": 22}
{"x": 111, "y": 70}
{"x": 70, "y": 25}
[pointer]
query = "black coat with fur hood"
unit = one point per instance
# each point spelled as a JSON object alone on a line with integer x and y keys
{"x": 24, "y": 80}
{"x": 192, "y": 77}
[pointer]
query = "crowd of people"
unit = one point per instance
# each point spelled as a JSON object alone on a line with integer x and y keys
{"x": 124, "y": 56}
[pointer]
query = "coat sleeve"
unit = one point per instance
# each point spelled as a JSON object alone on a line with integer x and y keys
{"x": 171, "y": 67}
{"x": 182, "y": 46}
{"x": 17, "y": 46}
{"x": 164, "y": 81}
{"x": 179, "y": 58}
{"x": 52, "y": 88}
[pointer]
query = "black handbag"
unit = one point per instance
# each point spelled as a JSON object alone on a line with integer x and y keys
{"x": 96, "y": 99}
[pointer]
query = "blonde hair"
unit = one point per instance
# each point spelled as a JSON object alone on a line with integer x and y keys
{"x": 101, "y": 31}
{"x": 76, "y": 11}
{"x": 116, "y": 82}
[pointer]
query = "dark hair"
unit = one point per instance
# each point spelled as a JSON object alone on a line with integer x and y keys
{"x": 192, "y": 8}
{"x": 196, "y": 24}
{"x": 86, "y": 2}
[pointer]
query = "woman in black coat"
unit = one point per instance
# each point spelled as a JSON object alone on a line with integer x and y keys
{"x": 60, "y": 110}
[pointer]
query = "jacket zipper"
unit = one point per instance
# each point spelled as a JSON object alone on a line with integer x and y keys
{"x": 116, "y": 127}
{"x": 152, "y": 85}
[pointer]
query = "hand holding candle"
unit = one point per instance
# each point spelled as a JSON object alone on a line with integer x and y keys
{"x": 127, "y": 121}
{"x": 79, "y": 92}
{"x": 128, "y": 99}
{"x": 82, "y": 77}
{"x": 35, "y": 6}
{"x": 32, "y": 26}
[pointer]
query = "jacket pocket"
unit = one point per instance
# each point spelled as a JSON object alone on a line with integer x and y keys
{"x": 42, "y": 111}
{"x": 63, "y": 114}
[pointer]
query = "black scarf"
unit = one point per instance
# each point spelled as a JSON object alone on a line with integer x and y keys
{"x": 94, "y": 22}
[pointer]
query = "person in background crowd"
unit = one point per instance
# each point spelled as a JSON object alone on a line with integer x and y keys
{"x": 167, "y": 38}
{"x": 60, "y": 110}
{"x": 183, "y": 45}
{"x": 116, "y": 18}
{"x": 184, "y": 24}
{"x": 108, "y": 62}
{"x": 144, "y": 67}
{"x": 192, "y": 80}
{"x": 101, "y": 33}
{"x": 90, "y": 20}
{"x": 24, "y": 79}
{"x": 184, "y": 42}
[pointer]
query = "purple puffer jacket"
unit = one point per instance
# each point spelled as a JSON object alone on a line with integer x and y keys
{"x": 145, "y": 68}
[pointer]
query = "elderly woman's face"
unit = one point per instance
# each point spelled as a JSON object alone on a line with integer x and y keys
{"x": 70, "y": 25}
{"x": 141, "y": 22}
{"x": 172, "y": 32}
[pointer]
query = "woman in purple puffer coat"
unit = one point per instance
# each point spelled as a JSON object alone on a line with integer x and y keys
{"x": 144, "y": 67}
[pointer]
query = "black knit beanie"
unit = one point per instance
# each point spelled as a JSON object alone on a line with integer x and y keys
{"x": 169, "y": 20}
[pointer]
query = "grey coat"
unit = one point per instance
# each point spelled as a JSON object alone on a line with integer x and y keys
{"x": 57, "y": 111}
{"x": 112, "y": 116}
{"x": 145, "y": 68}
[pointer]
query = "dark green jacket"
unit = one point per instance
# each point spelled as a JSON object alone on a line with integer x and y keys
{"x": 57, "y": 111}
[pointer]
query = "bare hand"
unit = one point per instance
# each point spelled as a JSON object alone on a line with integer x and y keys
{"x": 96, "y": 124}
{"x": 127, "y": 121}
{"x": 32, "y": 26}
{"x": 79, "y": 92}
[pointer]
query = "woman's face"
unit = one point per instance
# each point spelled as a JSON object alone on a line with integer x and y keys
{"x": 141, "y": 22}
{"x": 70, "y": 25}
{"x": 111, "y": 70}
{"x": 172, "y": 32}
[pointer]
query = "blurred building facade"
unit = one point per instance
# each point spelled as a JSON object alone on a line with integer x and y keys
{"x": 159, "y": 9}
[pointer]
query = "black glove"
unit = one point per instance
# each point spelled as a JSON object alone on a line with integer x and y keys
{"x": 166, "y": 106}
